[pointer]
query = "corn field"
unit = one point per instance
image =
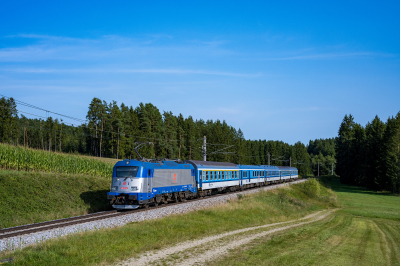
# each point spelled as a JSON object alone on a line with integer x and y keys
{"x": 24, "y": 159}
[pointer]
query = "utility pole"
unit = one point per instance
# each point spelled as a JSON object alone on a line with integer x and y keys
{"x": 204, "y": 149}
{"x": 269, "y": 155}
{"x": 318, "y": 168}
{"x": 290, "y": 160}
{"x": 332, "y": 168}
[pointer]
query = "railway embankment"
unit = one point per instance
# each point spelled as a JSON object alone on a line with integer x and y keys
{"x": 38, "y": 186}
{"x": 34, "y": 197}
{"x": 140, "y": 235}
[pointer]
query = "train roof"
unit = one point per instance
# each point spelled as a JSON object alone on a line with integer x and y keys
{"x": 270, "y": 167}
{"x": 210, "y": 164}
{"x": 251, "y": 167}
{"x": 286, "y": 168}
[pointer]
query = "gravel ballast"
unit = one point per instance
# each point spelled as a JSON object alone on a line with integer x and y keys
{"x": 18, "y": 242}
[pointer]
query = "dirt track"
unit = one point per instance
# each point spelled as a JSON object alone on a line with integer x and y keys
{"x": 199, "y": 251}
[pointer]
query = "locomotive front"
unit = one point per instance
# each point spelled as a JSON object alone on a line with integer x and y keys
{"x": 128, "y": 185}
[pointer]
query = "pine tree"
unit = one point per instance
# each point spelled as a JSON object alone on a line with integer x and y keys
{"x": 343, "y": 149}
{"x": 169, "y": 145}
{"x": 181, "y": 137}
{"x": 374, "y": 134}
{"x": 390, "y": 155}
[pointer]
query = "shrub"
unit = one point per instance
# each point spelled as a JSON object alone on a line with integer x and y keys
{"x": 312, "y": 188}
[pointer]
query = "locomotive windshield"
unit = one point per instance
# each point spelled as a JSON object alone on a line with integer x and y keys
{"x": 127, "y": 171}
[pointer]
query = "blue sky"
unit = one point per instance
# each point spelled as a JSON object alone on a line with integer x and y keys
{"x": 285, "y": 71}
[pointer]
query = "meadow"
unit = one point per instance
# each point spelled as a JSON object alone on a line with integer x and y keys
{"x": 33, "y": 197}
{"x": 365, "y": 231}
{"x": 107, "y": 246}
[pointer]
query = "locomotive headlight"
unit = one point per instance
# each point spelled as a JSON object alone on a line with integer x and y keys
{"x": 134, "y": 188}
{"x": 114, "y": 188}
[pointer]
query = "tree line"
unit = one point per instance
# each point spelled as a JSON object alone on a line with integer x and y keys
{"x": 113, "y": 131}
{"x": 369, "y": 156}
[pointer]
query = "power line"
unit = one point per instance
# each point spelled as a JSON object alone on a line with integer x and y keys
{"x": 47, "y": 111}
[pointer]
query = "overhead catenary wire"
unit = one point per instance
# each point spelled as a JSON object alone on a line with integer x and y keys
{"x": 38, "y": 108}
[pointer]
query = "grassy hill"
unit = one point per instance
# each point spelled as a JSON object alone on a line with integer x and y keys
{"x": 364, "y": 231}
{"x": 108, "y": 245}
{"x": 31, "y": 197}
{"x": 37, "y": 186}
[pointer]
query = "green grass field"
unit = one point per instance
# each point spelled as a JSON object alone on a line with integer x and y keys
{"x": 366, "y": 231}
{"x": 32, "y": 197}
{"x": 111, "y": 245}
{"x": 38, "y": 186}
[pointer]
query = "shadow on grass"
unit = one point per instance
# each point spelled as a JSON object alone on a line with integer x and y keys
{"x": 97, "y": 200}
{"x": 337, "y": 186}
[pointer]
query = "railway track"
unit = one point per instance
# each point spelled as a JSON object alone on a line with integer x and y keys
{"x": 37, "y": 227}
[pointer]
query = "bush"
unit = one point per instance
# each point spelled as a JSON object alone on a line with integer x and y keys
{"x": 312, "y": 188}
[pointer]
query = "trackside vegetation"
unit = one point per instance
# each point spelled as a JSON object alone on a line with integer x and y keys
{"x": 365, "y": 231}
{"x": 25, "y": 159}
{"x": 32, "y": 197}
{"x": 107, "y": 246}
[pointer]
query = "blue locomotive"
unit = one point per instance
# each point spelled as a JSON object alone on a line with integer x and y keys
{"x": 142, "y": 183}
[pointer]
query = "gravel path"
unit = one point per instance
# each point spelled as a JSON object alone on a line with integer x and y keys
{"x": 34, "y": 238}
{"x": 214, "y": 247}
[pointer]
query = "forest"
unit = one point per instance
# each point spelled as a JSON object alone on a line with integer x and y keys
{"x": 113, "y": 131}
{"x": 369, "y": 156}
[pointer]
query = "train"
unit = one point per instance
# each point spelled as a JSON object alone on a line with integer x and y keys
{"x": 140, "y": 184}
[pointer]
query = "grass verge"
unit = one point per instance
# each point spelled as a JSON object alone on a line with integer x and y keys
{"x": 110, "y": 245}
{"x": 32, "y": 197}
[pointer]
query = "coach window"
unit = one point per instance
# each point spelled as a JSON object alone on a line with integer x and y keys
{"x": 201, "y": 175}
